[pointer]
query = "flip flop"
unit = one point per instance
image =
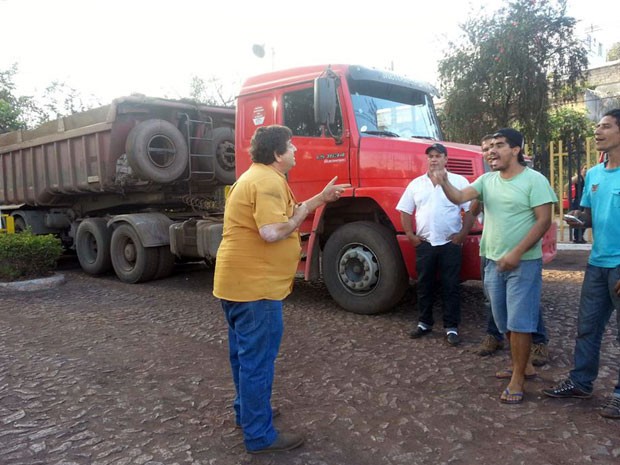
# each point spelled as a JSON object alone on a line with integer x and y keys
{"x": 508, "y": 397}
{"x": 506, "y": 373}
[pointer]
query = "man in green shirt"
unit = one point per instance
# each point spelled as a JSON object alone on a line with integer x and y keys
{"x": 517, "y": 202}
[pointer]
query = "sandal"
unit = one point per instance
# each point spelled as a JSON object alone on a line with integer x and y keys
{"x": 508, "y": 397}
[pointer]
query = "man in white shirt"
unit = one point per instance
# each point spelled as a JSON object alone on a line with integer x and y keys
{"x": 440, "y": 230}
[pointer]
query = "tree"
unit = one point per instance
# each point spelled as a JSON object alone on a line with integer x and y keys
{"x": 571, "y": 127}
{"x": 60, "y": 99}
{"x": 508, "y": 67}
{"x": 211, "y": 92}
{"x": 25, "y": 112}
{"x": 13, "y": 109}
{"x": 568, "y": 124}
{"x": 614, "y": 52}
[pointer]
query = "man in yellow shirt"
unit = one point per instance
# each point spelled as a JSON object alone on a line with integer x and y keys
{"x": 254, "y": 272}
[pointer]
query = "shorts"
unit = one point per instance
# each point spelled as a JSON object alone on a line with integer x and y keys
{"x": 515, "y": 295}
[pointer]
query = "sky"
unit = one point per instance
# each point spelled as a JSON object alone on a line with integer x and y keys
{"x": 112, "y": 48}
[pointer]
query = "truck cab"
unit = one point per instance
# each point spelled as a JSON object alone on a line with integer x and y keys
{"x": 370, "y": 128}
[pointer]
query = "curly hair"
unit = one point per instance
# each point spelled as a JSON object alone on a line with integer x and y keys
{"x": 268, "y": 140}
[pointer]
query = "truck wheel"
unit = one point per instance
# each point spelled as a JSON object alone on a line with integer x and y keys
{"x": 157, "y": 151}
{"x": 92, "y": 244}
{"x": 224, "y": 145}
{"x": 363, "y": 268}
{"x": 132, "y": 262}
{"x": 166, "y": 261}
{"x": 20, "y": 224}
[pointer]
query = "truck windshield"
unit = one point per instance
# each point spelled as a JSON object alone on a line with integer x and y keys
{"x": 390, "y": 110}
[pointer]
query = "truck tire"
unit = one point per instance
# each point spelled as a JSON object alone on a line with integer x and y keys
{"x": 20, "y": 224}
{"x": 224, "y": 145}
{"x": 92, "y": 245}
{"x": 132, "y": 262}
{"x": 157, "y": 151}
{"x": 363, "y": 268}
{"x": 166, "y": 261}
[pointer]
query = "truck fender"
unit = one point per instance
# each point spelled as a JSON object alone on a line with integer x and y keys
{"x": 38, "y": 221}
{"x": 312, "y": 268}
{"x": 386, "y": 198}
{"x": 152, "y": 228}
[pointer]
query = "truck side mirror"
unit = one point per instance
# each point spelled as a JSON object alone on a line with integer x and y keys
{"x": 324, "y": 100}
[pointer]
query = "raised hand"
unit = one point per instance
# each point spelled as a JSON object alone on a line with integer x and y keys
{"x": 332, "y": 191}
{"x": 439, "y": 176}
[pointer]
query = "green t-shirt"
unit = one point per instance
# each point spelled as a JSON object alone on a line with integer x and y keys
{"x": 509, "y": 211}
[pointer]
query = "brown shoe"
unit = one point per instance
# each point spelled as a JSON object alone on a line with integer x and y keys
{"x": 284, "y": 441}
{"x": 489, "y": 345}
{"x": 539, "y": 354}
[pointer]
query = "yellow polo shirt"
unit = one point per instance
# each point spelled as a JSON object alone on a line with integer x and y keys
{"x": 247, "y": 268}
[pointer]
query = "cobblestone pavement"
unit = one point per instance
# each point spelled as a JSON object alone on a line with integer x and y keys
{"x": 100, "y": 372}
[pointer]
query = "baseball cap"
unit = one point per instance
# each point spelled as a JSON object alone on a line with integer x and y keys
{"x": 514, "y": 137}
{"x": 437, "y": 146}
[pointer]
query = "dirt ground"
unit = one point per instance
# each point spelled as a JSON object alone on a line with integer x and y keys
{"x": 100, "y": 372}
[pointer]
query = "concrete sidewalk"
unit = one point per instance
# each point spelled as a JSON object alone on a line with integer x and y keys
{"x": 571, "y": 246}
{"x": 563, "y": 238}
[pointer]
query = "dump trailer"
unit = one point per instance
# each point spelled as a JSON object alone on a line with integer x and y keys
{"x": 113, "y": 181}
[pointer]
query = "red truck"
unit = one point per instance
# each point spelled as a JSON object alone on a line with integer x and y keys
{"x": 140, "y": 183}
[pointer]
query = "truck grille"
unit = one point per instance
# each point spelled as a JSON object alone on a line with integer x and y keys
{"x": 462, "y": 167}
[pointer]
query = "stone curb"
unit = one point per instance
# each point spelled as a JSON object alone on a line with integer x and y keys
{"x": 570, "y": 246}
{"x": 35, "y": 284}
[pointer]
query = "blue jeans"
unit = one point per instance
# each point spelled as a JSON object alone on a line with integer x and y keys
{"x": 515, "y": 295}
{"x": 598, "y": 300}
{"x": 254, "y": 334}
{"x": 538, "y": 337}
{"x": 445, "y": 259}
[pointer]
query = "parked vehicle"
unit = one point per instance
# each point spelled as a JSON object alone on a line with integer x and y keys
{"x": 135, "y": 185}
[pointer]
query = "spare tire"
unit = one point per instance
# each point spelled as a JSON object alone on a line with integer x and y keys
{"x": 224, "y": 147}
{"x": 157, "y": 151}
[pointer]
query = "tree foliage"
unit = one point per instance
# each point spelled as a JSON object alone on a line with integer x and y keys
{"x": 61, "y": 99}
{"x": 25, "y": 112}
{"x": 614, "y": 52}
{"x": 569, "y": 124}
{"x": 213, "y": 91}
{"x": 14, "y": 109}
{"x": 507, "y": 68}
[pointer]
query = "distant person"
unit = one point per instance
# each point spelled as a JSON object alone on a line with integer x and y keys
{"x": 576, "y": 190}
{"x": 438, "y": 240}
{"x": 600, "y": 291}
{"x": 517, "y": 204}
{"x": 254, "y": 271}
{"x": 493, "y": 339}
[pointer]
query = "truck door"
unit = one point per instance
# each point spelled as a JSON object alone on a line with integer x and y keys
{"x": 320, "y": 155}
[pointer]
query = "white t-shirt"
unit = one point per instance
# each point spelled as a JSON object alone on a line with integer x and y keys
{"x": 436, "y": 217}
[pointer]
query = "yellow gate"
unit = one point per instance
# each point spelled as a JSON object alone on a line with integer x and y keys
{"x": 7, "y": 224}
{"x": 559, "y": 177}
